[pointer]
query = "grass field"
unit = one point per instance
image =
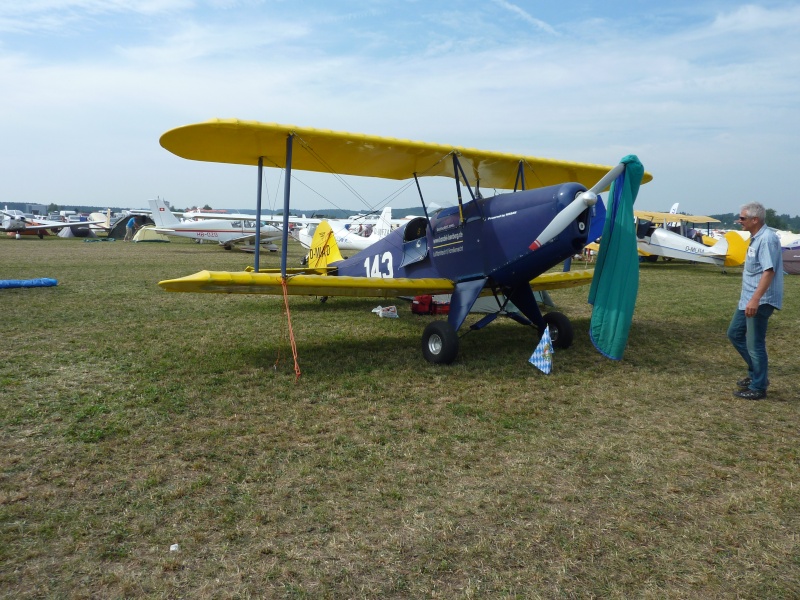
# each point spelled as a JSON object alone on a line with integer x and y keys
{"x": 133, "y": 419}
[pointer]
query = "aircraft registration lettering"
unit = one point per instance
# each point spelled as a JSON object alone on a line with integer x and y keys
{"x": 318, "y": 252}
{"x": 693, "y": 250}
{"x": 207, "y": 234}
{"x": 373, "y": 266}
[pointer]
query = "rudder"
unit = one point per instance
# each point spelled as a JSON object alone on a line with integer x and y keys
{"x": 162, "y": 215}
{"x": 737, "y": 249}
{"x": 324, "y": 249}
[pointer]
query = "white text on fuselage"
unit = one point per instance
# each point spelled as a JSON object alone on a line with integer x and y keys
{"x": 450, "y": 243}
{"x": 448, "y": 238}
{"x": 508, "y": 214}
{"x": 374, "y": 265}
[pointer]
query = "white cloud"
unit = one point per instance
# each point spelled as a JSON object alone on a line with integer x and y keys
{"x": 525, "y": 16}
{"x": 708, "y": 106}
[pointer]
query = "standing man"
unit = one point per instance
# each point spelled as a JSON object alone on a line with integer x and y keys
{"x": 129, "y": 228}
{"x": 762, "y": 293}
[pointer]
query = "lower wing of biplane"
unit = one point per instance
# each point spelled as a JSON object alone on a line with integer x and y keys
{"x": 310, "y": 282}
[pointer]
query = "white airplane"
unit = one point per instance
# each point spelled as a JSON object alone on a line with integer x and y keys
{"x": 222, "y": 230}
{"x": 199, "y": 215}
{"x": 15, "y": 222}
{"x": 350, "y": 234}
{"x": 656, "y": 239}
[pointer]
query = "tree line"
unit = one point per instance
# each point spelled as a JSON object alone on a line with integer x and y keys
{"x": 774, "y": 220}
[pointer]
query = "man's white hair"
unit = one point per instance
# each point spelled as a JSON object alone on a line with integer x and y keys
{"x": 755, "y": 209}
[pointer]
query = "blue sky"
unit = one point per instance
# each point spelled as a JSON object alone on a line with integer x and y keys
{"x": 706, "y": 93}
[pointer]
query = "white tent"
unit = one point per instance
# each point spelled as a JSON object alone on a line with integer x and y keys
{"x": 81, "y": 231}
{"x": 148, "y": 234}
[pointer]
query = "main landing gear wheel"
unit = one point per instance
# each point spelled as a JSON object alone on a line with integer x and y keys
{"x": 561, "y": 332}
{"x": 440, "y": 343}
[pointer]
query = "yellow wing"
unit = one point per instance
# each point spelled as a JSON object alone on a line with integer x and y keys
{"x": 300, "y": 283}
{"x": 660, "y": 217}
{"x": 243, "y": 142}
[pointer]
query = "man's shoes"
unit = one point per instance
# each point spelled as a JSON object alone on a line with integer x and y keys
{"x": 751, "y": 394}
{"x": 744, "y": 383}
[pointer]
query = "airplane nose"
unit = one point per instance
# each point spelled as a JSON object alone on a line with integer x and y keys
{"x": 562, "y": 220}
{"x": 573, "y": 210}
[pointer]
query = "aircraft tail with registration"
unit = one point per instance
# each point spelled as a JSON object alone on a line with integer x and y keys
{"x": 162, "y": 215}
{"x": 324, "y": 249}
{"x": 384, "y": 226}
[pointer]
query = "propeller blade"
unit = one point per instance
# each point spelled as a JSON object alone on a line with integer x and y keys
{"x": 607, "y": 179}
{"x": 573, "y": 210}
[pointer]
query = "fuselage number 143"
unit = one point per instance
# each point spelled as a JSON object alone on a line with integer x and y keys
{"x": 373, "y": 265}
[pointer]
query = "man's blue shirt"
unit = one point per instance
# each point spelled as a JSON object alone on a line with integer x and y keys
{"x": 764, "y": 253}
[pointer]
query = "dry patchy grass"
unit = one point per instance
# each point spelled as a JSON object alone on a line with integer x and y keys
{"x": 133, "y": 419}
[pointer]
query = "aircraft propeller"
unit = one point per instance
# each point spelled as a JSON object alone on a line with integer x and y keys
{"x": 573, "y": 210}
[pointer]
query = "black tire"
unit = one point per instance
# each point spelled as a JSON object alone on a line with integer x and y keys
{"x": 651, "y": 258}
{"x": 561, "y": 332}
{"x": 440, "y": 343}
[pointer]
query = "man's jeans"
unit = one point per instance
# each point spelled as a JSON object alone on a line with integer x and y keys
{"x": 748, "y": 335}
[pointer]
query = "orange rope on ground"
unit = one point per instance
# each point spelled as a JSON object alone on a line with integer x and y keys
{"x": 291, "y": 331}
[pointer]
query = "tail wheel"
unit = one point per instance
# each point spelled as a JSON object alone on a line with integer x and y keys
{"x": 561, "y": 332}
{"x": 440, "y": 343}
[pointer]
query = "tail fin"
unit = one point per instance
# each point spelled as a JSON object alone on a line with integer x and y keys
{"x": 162, "y": 215}
{"x": 384, "y": 223}
{"x": 737, "y": 249}
{"x": 324, "y": 249}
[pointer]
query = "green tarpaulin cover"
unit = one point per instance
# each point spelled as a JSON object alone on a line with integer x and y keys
{"x": 616, "y": 274}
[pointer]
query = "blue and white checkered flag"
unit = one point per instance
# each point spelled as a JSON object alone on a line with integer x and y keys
{"x": 542, "y": 357}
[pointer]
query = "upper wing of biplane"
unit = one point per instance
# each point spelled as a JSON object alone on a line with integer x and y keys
{"x": 662, "y": 217}
{"x": 245, "y": 142}
{"x": 311, "y": 282}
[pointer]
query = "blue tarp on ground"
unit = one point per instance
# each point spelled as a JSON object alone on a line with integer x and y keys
{"x": 26, "y": 283}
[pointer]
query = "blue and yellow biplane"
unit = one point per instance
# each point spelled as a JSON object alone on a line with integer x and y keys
{"x": 504, "y": 246}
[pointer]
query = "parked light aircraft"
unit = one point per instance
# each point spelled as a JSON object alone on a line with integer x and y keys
{"x": 15, "y": 222}
{"x": 350, "y": 234}
{"x": 199, "y": 215}
{"x": 501, "y": 245}
{"x": 224, "y": 231}
{"x": 656, "y": 237}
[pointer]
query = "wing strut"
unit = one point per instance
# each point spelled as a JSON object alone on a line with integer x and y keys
{"x": 520, "y": 181}
{"x": 459, "y": 174}
{"x": 258, "y": 213}
{"x": 286, "y": 194}
{"x": 422, "y": 200}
